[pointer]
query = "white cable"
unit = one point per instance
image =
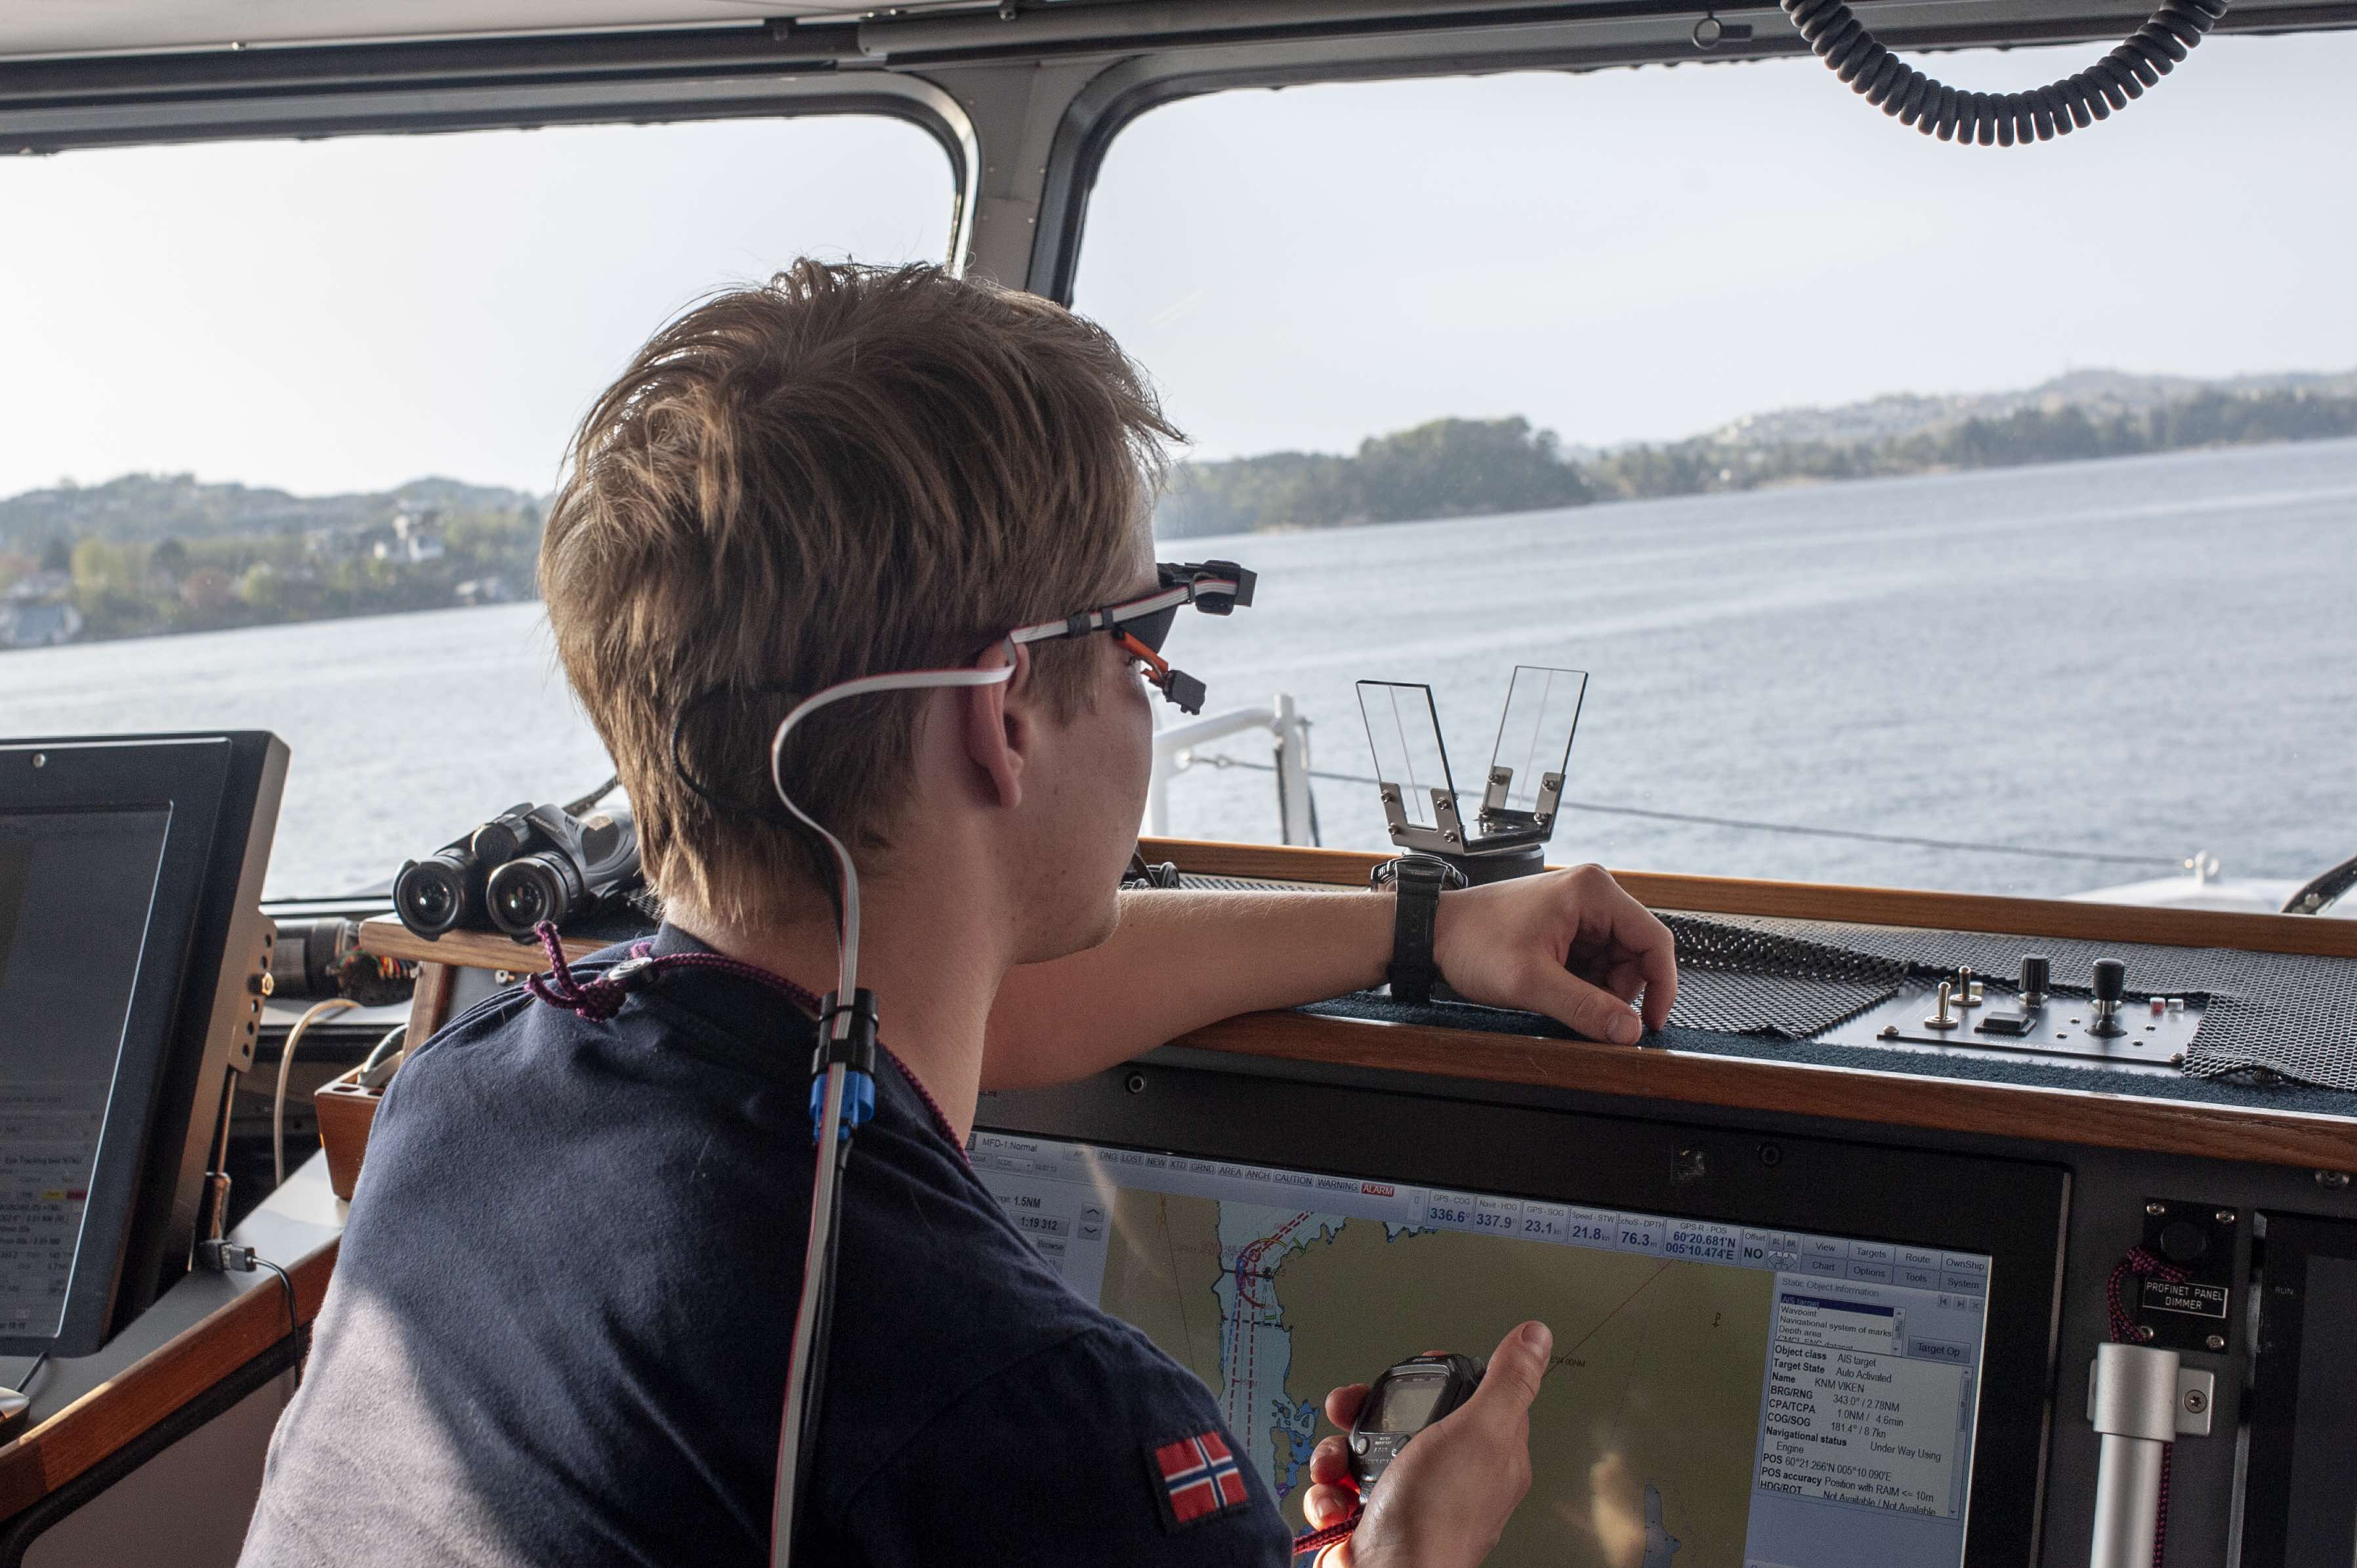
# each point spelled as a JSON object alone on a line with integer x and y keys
{"x": 847, "y": 934}
{"x": 789, "y": 1437}
{"x": 287, "y": 1059}
{"x": 822, "y": 1183}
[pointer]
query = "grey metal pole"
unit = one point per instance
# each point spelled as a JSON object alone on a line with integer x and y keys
{"x": 2134, "y": 1408}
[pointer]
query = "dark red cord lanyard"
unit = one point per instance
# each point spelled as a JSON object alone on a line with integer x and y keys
{"x": 1310, "y": 1540}
{"x": 599, "y": 999}
{"x": 2143, "y": 1262}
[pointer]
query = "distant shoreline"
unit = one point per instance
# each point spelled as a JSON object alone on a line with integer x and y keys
{"x": 357, "y": 611}
{"x": 1480, "y": 467}
{"x": 153, "y": 556}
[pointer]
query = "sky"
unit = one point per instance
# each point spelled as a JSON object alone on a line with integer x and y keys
{"x": 1616, "y": 255}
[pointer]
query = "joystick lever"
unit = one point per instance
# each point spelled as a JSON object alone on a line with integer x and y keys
{"x": 2110, "y": 986}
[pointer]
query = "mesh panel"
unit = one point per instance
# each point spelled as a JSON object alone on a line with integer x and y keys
{"x": 1739, "y": 980}
{"x": 2269, "y": 1015}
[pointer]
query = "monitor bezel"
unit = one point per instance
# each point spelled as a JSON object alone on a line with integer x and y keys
{"x": 2013, "y": 1211}
{"x": 2283, "y": 1427}
{"x": 188, "y": 1020}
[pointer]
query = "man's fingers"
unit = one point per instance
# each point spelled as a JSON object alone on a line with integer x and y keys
{"x": 1661, "y": 964}
{"x": 1329, "y": 1463}
{"x": 1639, "y": 934}
{"x": 1594, "y": 1012}
{"x": 1342, "y": 1405}
{"x": 1637, "y": 937}
{"x": 1323, "y": 1505}
{"x": 1625, "y": 978}
{"x": 1517, "y": 1368}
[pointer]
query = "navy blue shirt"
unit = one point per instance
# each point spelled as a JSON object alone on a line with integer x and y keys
{"x": 558, "y": 1327}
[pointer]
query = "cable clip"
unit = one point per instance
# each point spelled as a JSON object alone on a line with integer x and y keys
{"x": 855, "y": 1050}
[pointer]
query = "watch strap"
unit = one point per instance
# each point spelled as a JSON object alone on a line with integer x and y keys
{"x": 1416, "y": 882}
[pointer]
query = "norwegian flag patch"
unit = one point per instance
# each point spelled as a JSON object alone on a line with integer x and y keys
{"x": 1200, "y": 1479}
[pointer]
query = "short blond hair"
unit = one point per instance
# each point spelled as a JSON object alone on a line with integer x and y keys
{"x": 851, "y": 469}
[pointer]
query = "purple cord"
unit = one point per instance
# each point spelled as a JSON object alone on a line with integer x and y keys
{"x": 601, "y": 998}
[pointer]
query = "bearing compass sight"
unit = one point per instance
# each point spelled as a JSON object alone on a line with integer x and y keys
{"x": 1520, "y": 794}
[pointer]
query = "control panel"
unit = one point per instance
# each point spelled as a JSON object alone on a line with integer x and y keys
{"x": 2118, "y": 1026}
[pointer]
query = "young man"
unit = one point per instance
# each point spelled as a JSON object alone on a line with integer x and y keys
{"x": 558, "y": 1329}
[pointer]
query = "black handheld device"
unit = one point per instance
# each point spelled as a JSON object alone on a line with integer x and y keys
{"x": 1406, "y": 1399}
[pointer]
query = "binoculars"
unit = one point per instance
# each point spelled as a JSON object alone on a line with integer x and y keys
{"x": 527, "y": 865}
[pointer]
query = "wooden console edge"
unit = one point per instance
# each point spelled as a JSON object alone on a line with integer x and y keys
{"x": 110, "y": 1416}
{"x": 2192, "y": 1128}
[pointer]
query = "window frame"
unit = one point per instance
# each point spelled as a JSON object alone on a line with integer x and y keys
{"x": 426, "y": 90}
{"x": 1463, "y": 40}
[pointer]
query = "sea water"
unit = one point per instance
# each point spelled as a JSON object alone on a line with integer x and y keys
{"x": 2142, "y": 657}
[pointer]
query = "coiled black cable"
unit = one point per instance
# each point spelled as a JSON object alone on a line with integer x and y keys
{"x": 2001, "y": 119}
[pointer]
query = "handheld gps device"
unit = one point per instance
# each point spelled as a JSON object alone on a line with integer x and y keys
{"x": 1406, "y": 1399}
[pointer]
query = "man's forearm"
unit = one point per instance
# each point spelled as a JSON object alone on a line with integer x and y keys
{"x": 1180, "y": 959}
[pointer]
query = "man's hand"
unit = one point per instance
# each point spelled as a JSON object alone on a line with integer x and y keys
{"x": 1569, "y": 944}
{"x": 1442, "y": 1503}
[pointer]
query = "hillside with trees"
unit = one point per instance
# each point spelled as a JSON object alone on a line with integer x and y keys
{"x": 147, "y": 555}
{"x": 151, "y": 507}
{"x": 1455, "y": 467}
{"x": 1450, "y": 467}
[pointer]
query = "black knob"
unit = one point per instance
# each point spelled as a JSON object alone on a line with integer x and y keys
{"x": 2184, "y": 1242}
{"x": 2111, "y": 979}
{"x": 2034, "y": 974}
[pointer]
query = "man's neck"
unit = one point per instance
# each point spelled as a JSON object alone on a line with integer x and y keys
{"x": 933, "y": 958}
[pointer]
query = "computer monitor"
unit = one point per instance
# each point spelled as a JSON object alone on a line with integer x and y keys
{"x": 130, "y": 922}
{"x": 1768, "y": 1352}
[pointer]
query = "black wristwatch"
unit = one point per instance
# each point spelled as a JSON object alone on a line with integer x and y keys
{"x": 1417, "y": 881}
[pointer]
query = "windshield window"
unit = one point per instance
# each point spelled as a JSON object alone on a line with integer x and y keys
{"x": 282, "y": 419}
{"x": 1974, "y": 519}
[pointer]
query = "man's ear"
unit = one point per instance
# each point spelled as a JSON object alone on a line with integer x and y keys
{"x": 1001, "y": 727}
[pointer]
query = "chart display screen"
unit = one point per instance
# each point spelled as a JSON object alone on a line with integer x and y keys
{"x": 1719, "y": 1397}
{"x": 76, "y": 890}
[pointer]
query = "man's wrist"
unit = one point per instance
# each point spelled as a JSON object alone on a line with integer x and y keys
{"x": 1416, "y": 883}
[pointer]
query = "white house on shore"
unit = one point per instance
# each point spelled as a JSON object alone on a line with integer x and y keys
{"x": 413, "y": 539}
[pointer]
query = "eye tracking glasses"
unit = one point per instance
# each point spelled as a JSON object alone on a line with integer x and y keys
{"x": 1143, "y": 624}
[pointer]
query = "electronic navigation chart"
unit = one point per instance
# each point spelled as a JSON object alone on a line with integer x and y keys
{"x": 1718, "y": 1397}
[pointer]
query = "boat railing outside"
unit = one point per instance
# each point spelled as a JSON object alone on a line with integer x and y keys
{"x": 1289, "y": 733}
